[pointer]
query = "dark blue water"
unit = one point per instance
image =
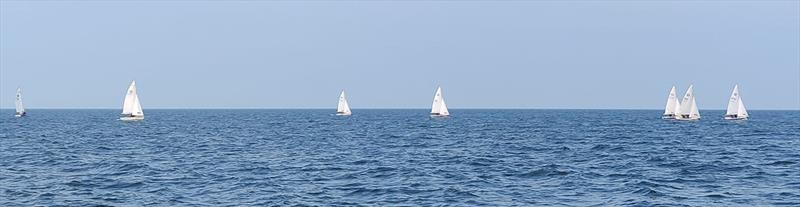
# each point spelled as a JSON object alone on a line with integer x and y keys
{"x": 398, "y": 157}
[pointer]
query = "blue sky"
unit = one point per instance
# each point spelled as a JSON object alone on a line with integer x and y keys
{"x": 513, "y": 54}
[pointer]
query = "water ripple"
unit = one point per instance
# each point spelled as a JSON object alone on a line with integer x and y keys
{"x": 397, "y": 158}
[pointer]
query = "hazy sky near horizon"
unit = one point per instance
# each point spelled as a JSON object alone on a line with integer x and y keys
{"x": 538, "y": 54}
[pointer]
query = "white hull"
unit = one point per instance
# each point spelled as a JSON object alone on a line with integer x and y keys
{"x": 439, "y": 115}
{"x": 735, "y": 118}
{"x": 728, "y": 118}
{"x": 131, "y": 118}
{"x": 688, "y": 119}
{"x": 343, "y": 114}
{"x": 668, "y": 116}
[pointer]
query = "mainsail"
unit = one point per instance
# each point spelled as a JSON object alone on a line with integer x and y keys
{"x": 20, "y": 109}
{"x": 439, "y": 108}
{"x": 672, "y": 109}
{"x": 343, "y": 108}
{"x": 736, "y": 108}
{"x": 131, "y": 107}
{"x": 689, "y": 105}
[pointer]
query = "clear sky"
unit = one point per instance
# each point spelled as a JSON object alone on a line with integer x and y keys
{"x": 485, "y": 54}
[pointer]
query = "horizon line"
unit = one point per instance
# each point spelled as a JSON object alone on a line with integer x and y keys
{"x": 367, "y": 108}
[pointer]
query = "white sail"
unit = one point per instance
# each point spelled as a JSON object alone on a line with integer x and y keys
{"x": 439, "y": 108}
{"x": 672, "y": 109}
{"x": 736, "y": 108}
{"x": 343, "y": 108}
{"x": 20, "y": 109}
{"x": 131, "y": 107}
{"x": 695, "y": 112}
{"x": 689, "y": 105}
{"x": 686, "y": 101}
{"x": 742, "y": 111}
{"x": 733, "y": 102}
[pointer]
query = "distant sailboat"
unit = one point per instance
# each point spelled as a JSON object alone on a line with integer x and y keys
{"x": 18, "y": 104}
{"x": 689, "y": 109}
{"x": 736, "y": 110}
{"x": 343, "y": 109}
{"x": 131, "y": 108}
{"x": 439, "y": 108}
{"x": 673, "y": 108}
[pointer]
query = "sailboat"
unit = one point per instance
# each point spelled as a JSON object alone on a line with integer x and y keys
{"x": 18, "y": 104}
{"x": 343, "y": 109}
{"x": 439, "y": 108}
{"x": 131, "y": 108}
{"x": 736, "y": 110}
{"x": 673, "y": 108}
{"x": 688, "y": 108}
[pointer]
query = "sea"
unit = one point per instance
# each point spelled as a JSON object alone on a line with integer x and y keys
{"x": 397, "y": 157}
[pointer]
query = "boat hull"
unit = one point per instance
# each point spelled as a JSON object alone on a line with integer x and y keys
{"x": 343, "y": 114}
{"x": 19, "y": 115}
{"x": 669, "y": 116}
{"x": 735, "y": 118}
{"x": 687, "y": 118}
{"x": 131, "y": 118}
{"x": 439, "y": 115}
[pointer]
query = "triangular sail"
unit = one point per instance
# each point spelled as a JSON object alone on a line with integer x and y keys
{"x": 733, "y": 102}
{"x": 742, "y": 112}
{"x": 132, "y": 106}
{"x": 695, "y": 112}
{"x": 672, "y": 107}
{"x": 439, "y": 107}
{"x": 20, "y": 109}
{"x": 343, "y": 108}
{"x": 689, "y": 108}
{"x": 443, "y": 109}
{"x": 686, "y": 103}
{"x": 137, "y": 106}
